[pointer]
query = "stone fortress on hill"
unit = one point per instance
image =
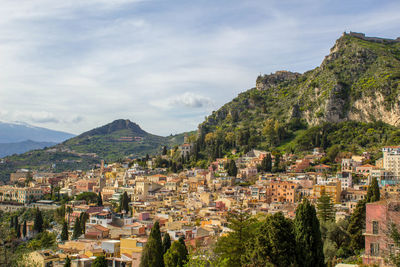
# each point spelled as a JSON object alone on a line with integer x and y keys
{"x": 372, "y": 39}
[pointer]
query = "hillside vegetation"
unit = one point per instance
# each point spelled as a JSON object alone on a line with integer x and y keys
{"x": 351, "y": 99}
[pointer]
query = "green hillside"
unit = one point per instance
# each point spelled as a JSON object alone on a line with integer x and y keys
{"x": 111, "y": 142}
{"x": 358, "y": 81}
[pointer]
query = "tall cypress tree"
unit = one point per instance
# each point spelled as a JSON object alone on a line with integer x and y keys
{"x": 64, "y": 233}
{"x": 24, "y": 229}
{"x": 16, "y": 223}
{"x": 67, "y": 262}
{"x": 232, "y": 169}
{"x": 166, "y": 243}
{"x": 152, "y": 254}
{"x": 358, "y": 217}
{"x": 82, "y": 220}
{"x": 99, "y": 200}
{"x": 266, "y": 164}
{"x": 125, "y": 202}
{"x": 18, "y": 231}
{"x": 373, "y": 193}
{"x": 38, "y": 223}
{"x": 77, "y": 229}
{"x": 356, "y": 227}
{"x": 309, "y": 246}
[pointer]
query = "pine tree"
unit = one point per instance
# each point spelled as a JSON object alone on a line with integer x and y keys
{"x": 38, "y": 223}
{"x": 326, "y": 211}
{"x": 77, "y": 229}
{"x": 176, "y": 256}
{"x": 166, "y": 243}
{"x": 232, "y": 247}
{"x": 64, "y": 233}
{"x": 99, "y": 200}
{"x": 309, "y": 246}
{"x": 24, "y": 229}
{"x": 152, "y": 254}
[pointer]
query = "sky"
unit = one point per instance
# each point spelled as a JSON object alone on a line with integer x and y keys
{"x": 76, "y": 65}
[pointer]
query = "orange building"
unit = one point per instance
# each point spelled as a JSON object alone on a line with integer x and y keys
{"x": 281, "y": 191}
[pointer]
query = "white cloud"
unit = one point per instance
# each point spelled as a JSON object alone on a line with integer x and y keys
{"x": 163, "y": 64}
{"x": 187, "y": 100}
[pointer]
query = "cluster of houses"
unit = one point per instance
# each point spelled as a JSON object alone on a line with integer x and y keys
{"x": 193, "y": 203}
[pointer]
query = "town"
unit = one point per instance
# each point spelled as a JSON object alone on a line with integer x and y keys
{"x": 109, "y": 211}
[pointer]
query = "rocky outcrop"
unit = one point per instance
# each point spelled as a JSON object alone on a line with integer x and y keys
{"x": 272, "y": 80}
{"x": 373, "y": 108}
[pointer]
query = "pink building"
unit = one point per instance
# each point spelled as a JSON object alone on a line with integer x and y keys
{"x": 378, "y": 244}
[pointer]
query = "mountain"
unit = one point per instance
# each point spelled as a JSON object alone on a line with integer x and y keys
{"x": 19, "y": 132}
{"x": 356, "y": 87}
{"x": 22, "y": 147}
{"x": 116, "y": 140}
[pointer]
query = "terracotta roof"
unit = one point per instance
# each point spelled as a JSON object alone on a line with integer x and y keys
{"x": 101, "y": 228}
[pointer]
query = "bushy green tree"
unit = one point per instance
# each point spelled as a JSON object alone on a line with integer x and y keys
{"x": 100, "y": 261}
{"x": 152, "y": 254}
{"x": 89, "y": 197}
{"x": 176, "y": 256}
{"x": 273, "y": 244}
{"x": 309, "y": 246}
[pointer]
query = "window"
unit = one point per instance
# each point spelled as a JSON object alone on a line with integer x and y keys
{"x": 375, "y": 227}
{"x": 374, "y": 247}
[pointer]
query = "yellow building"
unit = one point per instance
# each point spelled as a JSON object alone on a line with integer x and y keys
{"x": 132, "y": 245}
{"x": 333, "y": 189}
{"x": 20, "y": 194}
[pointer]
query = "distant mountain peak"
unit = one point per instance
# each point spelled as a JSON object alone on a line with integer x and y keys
{"x": 117, "y": 125}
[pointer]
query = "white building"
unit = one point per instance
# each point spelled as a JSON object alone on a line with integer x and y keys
{"x": 391, "y": 160}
